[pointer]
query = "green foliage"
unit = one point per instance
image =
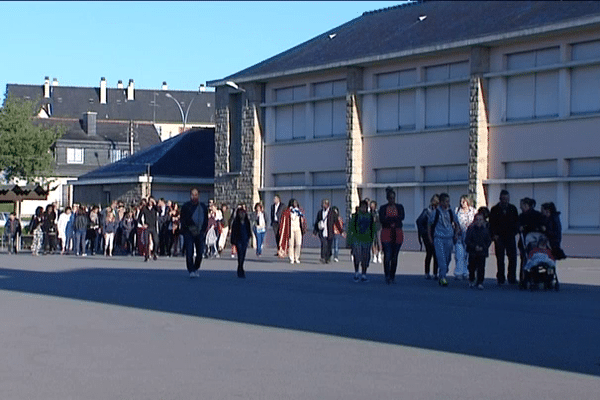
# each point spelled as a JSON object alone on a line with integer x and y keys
{"x": 25, "y": 144}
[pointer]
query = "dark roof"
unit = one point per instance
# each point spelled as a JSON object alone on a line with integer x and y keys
{"x": 392, "y": 31}
{"x": 72, "y": 102}
{"x": 190, "y": 154}
{"x": 145, "y": 135}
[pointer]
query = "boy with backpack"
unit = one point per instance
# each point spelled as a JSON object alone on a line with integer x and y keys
{"x": 361, "y": 232}
{"x": 443, "y": 232}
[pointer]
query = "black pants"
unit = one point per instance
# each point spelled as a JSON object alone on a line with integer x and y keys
{"x": 390, "y": 259}
{"x": 276, "y": 232}
{"x": 476, "y": 265}
{"x": 506, "y": 245}
{"x": 189, "y": 242}
{"x": 50, "y": 241}
{"x": 151, "y": 233}
{"x": 430, "y": 255}
{"x": 326, "y": 243}
{"x": 241, "y": 256}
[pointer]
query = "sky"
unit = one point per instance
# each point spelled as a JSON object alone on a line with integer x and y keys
{"x": 184, "y": 43}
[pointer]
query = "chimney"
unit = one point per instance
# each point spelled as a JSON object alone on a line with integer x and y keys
{"x": 103, "y": 90}
{"x": 54, "y": 82}
{"x": 120, "y": 84}
{"x": 47, "y": 87}
{"x": 89, "y": 123}
{"x": 130, "y": 90}
{"x": 164, "y": 86}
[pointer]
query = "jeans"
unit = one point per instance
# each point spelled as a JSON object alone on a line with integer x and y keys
{"x": 443, "y": 252}
{"x": 241, "y": 255}
{"x": 79, "y": 242}
{"x": 336, "y": 246}
{"x": 326, "y": 243}
{"x": 189, "y": 242}
{"x": 260, "y": 238}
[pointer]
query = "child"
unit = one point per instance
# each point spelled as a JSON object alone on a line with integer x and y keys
{"x": 477, "y": 241}
{"x": 241, "y": 233}
{"x": 361, "y": 231}
{"x": 12, "y": 231}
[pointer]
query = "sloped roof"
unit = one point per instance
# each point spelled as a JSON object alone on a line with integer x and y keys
{"x": 398, "y": 31}
{"x": 72, "y": 102}
{"x": 190, "y": 154}
{"x": 145, "y": 135}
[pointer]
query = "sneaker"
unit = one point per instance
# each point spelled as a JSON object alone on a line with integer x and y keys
{"x": 233, "y": 256}
{"x": 297, "y": 261}
{"x": 428, "y": 276}
{"x": 380, "y": 259}
{"x": 356, "y": 277}
{"x": 465, "y": 277}
{"x": 480, "y": 286}
{"x": 364, "y": 278}
{"x": 291, "y": 261}
{"x": 443, "y": 282}
{"x": 84, "y": 255}
{"x": 472, "y": 284}
{"x": 336, "y": 259}
{"x": 194, "y": 274}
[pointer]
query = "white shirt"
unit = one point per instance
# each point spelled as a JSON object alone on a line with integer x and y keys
{"x": 324, "y": 219}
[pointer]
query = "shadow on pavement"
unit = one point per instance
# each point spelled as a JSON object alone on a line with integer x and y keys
{"x": 545, "y": 329}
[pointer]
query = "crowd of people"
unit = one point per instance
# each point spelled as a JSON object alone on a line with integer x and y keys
{"x": 154, "y": 228}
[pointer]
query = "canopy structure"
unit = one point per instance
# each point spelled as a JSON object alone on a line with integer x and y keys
{"x": 16, "y": 194}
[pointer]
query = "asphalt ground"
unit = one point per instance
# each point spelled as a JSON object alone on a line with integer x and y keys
{"x": 120, "y": 328}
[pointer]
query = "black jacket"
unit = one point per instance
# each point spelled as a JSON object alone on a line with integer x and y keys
{"x": 279, "y": 213}
{"x": 504, "y": 223}
{"x": 187, "y": 211}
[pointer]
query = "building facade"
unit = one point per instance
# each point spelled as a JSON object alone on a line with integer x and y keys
{"x": 445, "y": 102}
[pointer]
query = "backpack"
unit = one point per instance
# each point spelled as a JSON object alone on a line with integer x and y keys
{"x": 437, "y": 218}
{"x": 421, "y": 223}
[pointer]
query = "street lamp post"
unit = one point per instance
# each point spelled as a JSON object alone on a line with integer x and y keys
{"x": 187, "y": 111}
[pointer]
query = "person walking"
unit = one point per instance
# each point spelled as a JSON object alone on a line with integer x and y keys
{"x": 377, "y": 249}
{"x": 109, "y": 228}
{"x": 63, "y": 221}
{"x": 260, "y": 227}
{"x": 241, "y": 233}
{"x": 338, "y": 231}
{"x": 361, "y": 230}
{"x": 504, "y": 226}
{"x": 149, "y": 220}
{"x": 391, "y": 216}
{"x": 194, "y": 220}
{"x": 50, "y": 230}
{"x": 443, "y": 231}
{"x": 423, "y": 229}
{"x": 323, "y": 228}
{"x": 276, "y": 211}
{"x": 465, "y": 215}
{"x": 80, "y": 226}
{"x": 292, "y": 228}
{"x": 477, "y": 242}
{"x": 35, "y": 227}
{"x": 12, "y": 232}
{"x": 552, "y": 227}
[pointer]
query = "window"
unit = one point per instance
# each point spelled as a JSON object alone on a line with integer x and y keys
{"x": 446, "y": 173}
{"x": 585, "y": 81}
{"x": 396, "y": 110}
{"x": 290, "y": 120}
{"x": 329, "y": 178}
{"x": 584, "y": 167}
{"x": 289, "y": 179}
{"x": 117, "y": 154}
{"x": 447, "y": 105}
{"x": 395, "y": 175}
{"x": 532, "y": 95}
{"x": 531, "y": 169}
{"x": 584, "y": 209}
{"x": 330, "y": 115}
{"x": 74, "y": 156}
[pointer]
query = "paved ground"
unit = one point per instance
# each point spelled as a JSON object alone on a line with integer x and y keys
{"x": 119, "y": 328}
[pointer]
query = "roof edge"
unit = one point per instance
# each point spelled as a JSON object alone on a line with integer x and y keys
{"x": 578, "y": 23}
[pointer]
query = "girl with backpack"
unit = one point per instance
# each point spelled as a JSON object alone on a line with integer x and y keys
{"x": 361, "y": 231}
{"x": 422, "y": 228}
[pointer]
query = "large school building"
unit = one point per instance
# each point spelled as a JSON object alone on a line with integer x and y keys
{"x": 431, "y": 96}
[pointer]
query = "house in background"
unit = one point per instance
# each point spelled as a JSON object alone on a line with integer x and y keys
{"x": 168, "y": 169}
{"x": 464, "y": 97}
{"x": 106, "y": 124}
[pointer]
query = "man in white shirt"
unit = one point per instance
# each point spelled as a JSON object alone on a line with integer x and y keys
{"x": 324, "y": 229}
{"x": 276, "y": 211}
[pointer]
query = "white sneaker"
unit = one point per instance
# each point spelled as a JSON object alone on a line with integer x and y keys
{"x": 374, "y": 260}
{"x": 336, "y": 259}
{"x": 291, "y": 261}
{"x": 356, "y": 277}
{"x": 380, "y": 259}
{"x": 480, "y": 287}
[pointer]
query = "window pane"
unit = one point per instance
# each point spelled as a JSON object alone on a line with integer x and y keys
{"x": 520, "y": 97}
{"x": 339, "y": 117}
{"x": 299, "y": 129}
{"x": 459, "y": 104}
{"x": 323, "y": 118}
{"x": 521, "y": 60}
{"x": 458, "y": 70}
{"x": 436, "y": 106}
{"x": 323, "y": 89}
{"x": 283, "y": 123}
{"x": 585, "y": 89}
{"x": 586, "y": 51}
{"x": 546, "y": 94}
{"x": 584, "y": 167}
{"x": 437, "y": 73}
{"x": 387, "y": 80}
{"x": 387, "y": 112}
{"x": 286, "y": 94}
{"x": 584, "y": 205}
{"x": 407, "y": 109}
{"x": 547, "y": 57}
{"x": 339, "y": 88}
{"x": 299, "y": 92}
{"x": 406, "y": 78}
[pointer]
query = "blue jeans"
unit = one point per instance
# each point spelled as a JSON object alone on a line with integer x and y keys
{"x": 443, "y": 252}
{"x": 336, "y": 246}
{"x": 79, "y": 242}
{"x": 260, "y": 238}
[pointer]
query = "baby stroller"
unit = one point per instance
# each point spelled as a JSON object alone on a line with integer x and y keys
{"x": 540, "y": 267}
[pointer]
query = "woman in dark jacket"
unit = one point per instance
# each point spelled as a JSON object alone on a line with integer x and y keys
{"x": 553, "y": 229}
{"x": 35, "y": 228}
{"x": 50, "y": 229}
{"x": 391, "y": 216}
{"x": 241, "y": 232}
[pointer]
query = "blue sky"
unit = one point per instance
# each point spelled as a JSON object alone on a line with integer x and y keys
{"x": 182, "y": 43}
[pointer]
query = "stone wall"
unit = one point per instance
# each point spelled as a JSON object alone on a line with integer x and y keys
{"x": 354, "y": 154}
{"x": 478, "y": 142}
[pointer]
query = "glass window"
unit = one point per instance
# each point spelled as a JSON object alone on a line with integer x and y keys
{"x": 74, "y": 156}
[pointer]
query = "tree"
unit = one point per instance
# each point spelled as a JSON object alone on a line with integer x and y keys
{"x": 25, "y": 143}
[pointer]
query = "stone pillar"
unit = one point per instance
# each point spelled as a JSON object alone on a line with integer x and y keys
{"x": 354, "y": 151}
{"x": 478, "y": 141}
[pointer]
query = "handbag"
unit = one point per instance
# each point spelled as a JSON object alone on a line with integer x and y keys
{"x": 321, "y": 224}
